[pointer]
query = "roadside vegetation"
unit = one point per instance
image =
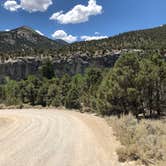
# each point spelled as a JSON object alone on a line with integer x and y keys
{"x": 135, "y": 85}
{"x": 134, "y": 89}
{"x": 142, "y": 141}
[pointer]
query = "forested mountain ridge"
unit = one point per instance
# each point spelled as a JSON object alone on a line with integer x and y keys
{"x": 154, "y": 38}
{"x": 24, "y": 39}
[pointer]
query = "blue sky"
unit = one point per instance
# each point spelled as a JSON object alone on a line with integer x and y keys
{"x": 106, "y": 17}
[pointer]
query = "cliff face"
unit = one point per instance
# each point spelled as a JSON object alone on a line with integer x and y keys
{"x": 19, "y": 69}
{"x": 22, "y": 67}
{"x": 80, "y": 64}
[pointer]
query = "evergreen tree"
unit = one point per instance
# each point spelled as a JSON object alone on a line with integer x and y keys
{"x": 47, "y": 70}
{"x": 72, "y": 99}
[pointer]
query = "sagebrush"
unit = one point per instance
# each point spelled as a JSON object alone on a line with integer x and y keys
{"x": 143, "y": 140}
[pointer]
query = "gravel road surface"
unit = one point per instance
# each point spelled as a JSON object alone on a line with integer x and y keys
{"x": 55, "y": 138}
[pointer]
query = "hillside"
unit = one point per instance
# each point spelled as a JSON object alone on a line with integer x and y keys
{"x": 25, "y": 39}
{"x": 154, "y": 38}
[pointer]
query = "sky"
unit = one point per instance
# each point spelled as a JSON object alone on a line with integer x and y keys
{"x": 75, "y": 20}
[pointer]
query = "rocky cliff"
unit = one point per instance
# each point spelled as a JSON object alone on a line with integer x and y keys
{"x": 22, "y": 67}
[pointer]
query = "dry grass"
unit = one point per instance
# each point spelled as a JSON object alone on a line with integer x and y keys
{"x": 144, "y": 141}
{"x": 21, "y": 106}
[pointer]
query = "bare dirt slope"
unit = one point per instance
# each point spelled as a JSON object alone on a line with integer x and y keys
{"x": 55, "y": 138}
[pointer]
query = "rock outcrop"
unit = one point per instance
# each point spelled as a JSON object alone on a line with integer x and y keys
{"x": 22, "y": 67}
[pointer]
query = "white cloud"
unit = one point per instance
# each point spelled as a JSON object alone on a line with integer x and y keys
{"x": 88, "y": 38}
{"x": 28, "y": 5}
{"x": 11, "y": 5}
{"x": 96, "y": 37}
{"x": 97, "y": 33}
{"x": 7, "y": 30}
{"x": 40, "y": 33}
{"x": 60, "y": 34}
{"x": 78, "y": 14}
{"x": 35, "y": 5}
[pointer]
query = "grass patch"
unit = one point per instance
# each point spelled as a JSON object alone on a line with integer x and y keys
{"x": 144, "y": 141}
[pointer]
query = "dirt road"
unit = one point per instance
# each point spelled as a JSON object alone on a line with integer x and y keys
{"x": 55, "y": 138}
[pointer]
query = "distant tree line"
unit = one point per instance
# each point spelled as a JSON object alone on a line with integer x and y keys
{"x": 134, "y": 85}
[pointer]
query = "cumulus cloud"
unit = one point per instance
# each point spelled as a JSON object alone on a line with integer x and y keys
{"x": 7, "y": 30}
{"x": 28, "y": 5}
{"x": 35, "y": 5}
{"x": 60, "y": 34}
{"x": 11, "y": 5}
{"x": 88, "y": 38}
{"x": 40, "y": 33}
{"x": 78, "y": 14}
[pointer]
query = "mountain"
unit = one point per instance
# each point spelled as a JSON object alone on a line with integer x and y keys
{"x": 26, "y": 39}
{"x": 60, "y": 41}
{"x": 26, "y": 51}
{"x": 154, "y": 38}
